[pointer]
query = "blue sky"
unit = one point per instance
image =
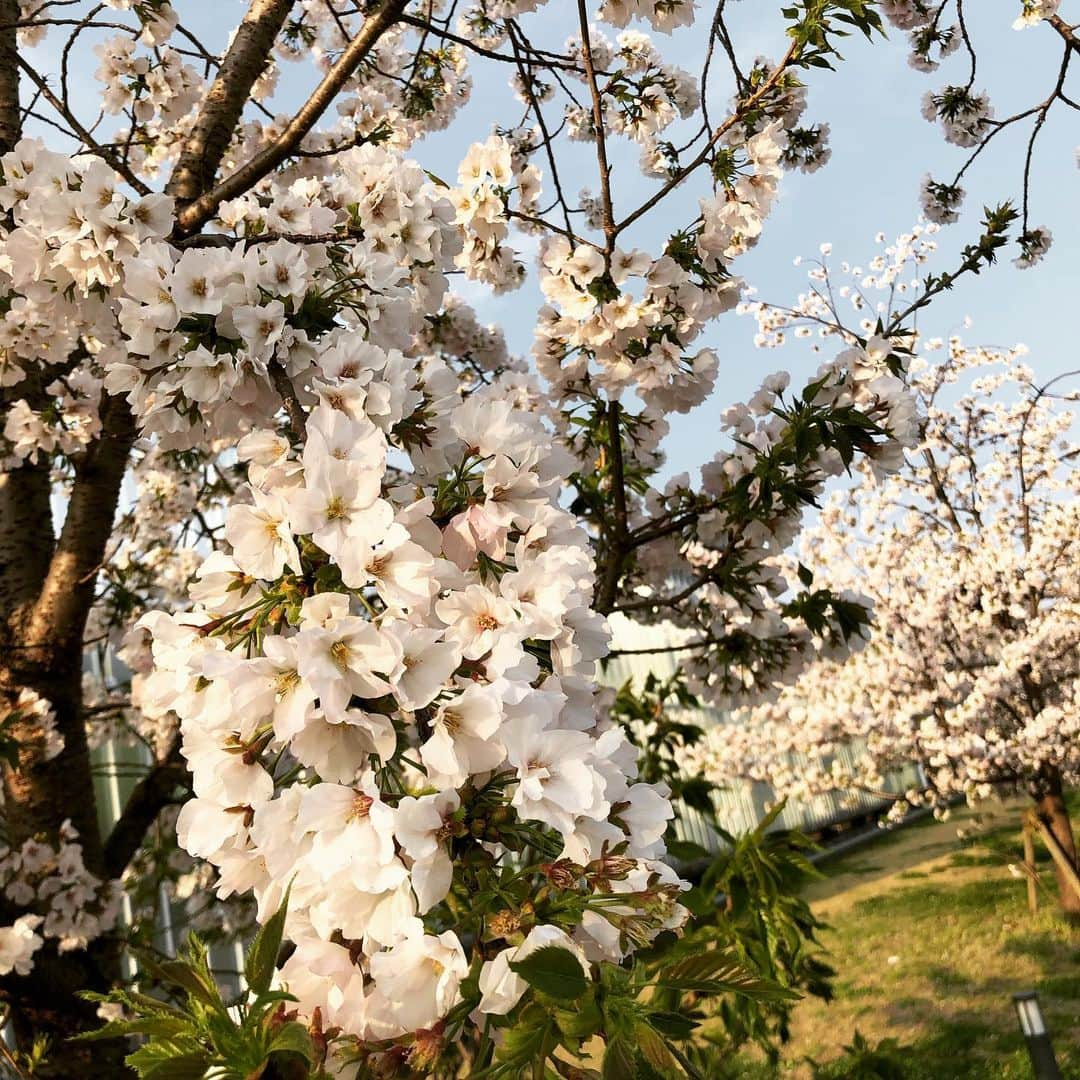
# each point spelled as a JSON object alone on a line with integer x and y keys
{"x": 881, "y": 148}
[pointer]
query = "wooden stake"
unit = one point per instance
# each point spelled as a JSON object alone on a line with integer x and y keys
{"x": 1029, "y": 866}
{"x": 1058, "y": 854}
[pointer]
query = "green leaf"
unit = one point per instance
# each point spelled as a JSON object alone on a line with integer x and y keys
{"x": 166, "y": 1027}
{"x": 295, "y": 1039}
{"x": 697, "y": 794}
{"x": 618, "y": 1061}
{"x": 169, "y": 1061}
{"x": 581, "y": 1021}
{"x": 528, "y": 1042}
{"x": 717, "y": 971}
{"x": 674, "y": 1025}
{"x": 179, "y": 973}
{"x": 553, "y": 971}
{"x": 261, "y": 961}
{"x": 686, "y": 850}
{"x": 745, "y": 986}
{"x": 655, "y": 1051}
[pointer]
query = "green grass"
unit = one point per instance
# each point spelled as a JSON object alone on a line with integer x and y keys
{"x": 955, "y": 923}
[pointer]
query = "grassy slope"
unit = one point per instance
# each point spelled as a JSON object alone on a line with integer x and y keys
{"x": 931, "y": 937}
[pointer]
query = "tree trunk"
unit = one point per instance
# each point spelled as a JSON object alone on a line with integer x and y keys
{"x": 1051, "y": 809}
{"x": 38, "y": 797}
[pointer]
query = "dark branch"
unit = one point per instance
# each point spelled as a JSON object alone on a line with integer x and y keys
{"x": 156, "y": 790}
{"x": 204, "y": 148}
{"x": 197, "y": 213}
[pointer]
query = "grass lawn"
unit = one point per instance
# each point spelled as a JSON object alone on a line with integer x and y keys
{"x": 931, "y": 937}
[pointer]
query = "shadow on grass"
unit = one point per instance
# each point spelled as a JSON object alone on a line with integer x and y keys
{"x": 933, "y": 901}
{"x": 965, "y": 947}
{"x": 842, "y": 872}
{"x": 1045, "y": 948}
{"x": 991, "y": 838}
{"x": 959, "y": 1045}
{"x": 931, "y": 942}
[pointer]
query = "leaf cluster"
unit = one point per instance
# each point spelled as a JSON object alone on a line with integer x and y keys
{"x": 646, "y": 1016}
{"x": 816, "y": 23}
{"x": 182, "y": 1039}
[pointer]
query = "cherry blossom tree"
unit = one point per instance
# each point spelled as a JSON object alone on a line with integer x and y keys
{"x": 356, "y": 557}
{"x": 969, "y": 557}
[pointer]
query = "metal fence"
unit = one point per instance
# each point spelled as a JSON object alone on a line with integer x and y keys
{"x": 117, "y": 769}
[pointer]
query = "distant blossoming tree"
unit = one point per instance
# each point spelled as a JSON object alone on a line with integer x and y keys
{"x": 969, "y": 555}
{"x": 355, "y": 557}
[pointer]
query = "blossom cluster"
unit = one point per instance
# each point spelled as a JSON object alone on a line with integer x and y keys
{"x": 844, "y": 299}
{"x": 145, "y": 79}
{"x": 1034, "y": 244}
{"x": 37, "y": 715}
{"x": 484, "y": 177}
{"x": 52, "y": 879}
{"x": 665, "y": 15}
{"x": 387, "y": 681}
{"x": 642, "y": 95}
{"x": 596, "y": 333}
{"x": 717, "y": 578}
{"x": 966, "y": 115}
{"x": 72, "y": 228}
{"x": 191, "y": 337}
{"x": 350, "y": 559}
{"x": 863, "y": 378}
{"x": 1034, "y": 12}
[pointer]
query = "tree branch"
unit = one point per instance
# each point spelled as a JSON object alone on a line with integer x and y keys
{"x": 287, "y": 392}
{"x": 59, "y": 614}
{"x": 25, "y": 511}
{"x": 606, "y": 207}
{"x": 491, "y": 54}
{"x": 150, "y": 795}
{"x": 1067, "y": 32}
{"x": 616, "y": 548}
{"x": 204, "y": 148}
{"x": 198, "y": 212}
{"x": 79, "y": 130}
{"x": 10, "y": 118}
{"x": 744, "y": 106}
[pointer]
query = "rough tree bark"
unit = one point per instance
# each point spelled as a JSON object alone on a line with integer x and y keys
{"x": 39, "y": 796}
{"x": 204, "y": 148}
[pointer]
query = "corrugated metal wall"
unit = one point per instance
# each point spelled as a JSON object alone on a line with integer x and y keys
{"x": 117, "y": 769}
{"x": 742, "y": 804}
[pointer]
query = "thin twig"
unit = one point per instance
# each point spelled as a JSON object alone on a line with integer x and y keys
{"x": 607, "y": 210}
{"x": 295, "y": 411}
{"x": 87, "y": 139}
